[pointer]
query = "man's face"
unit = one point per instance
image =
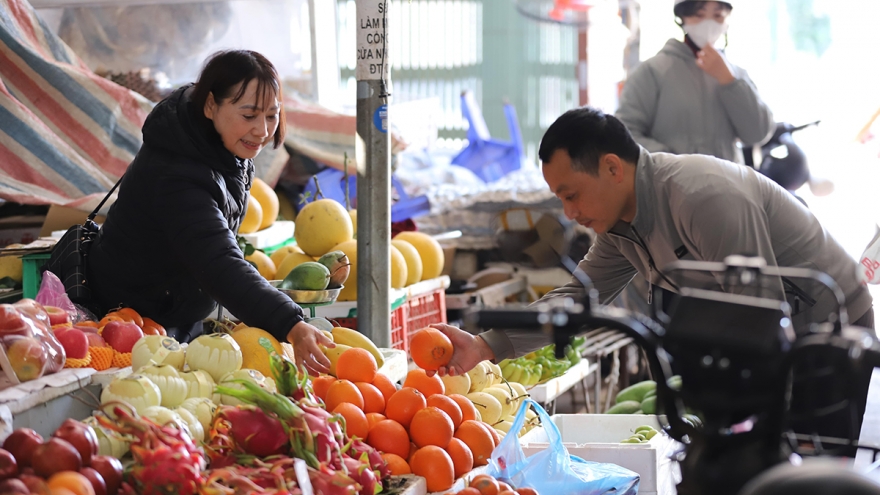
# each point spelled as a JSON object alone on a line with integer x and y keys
{"x": 594, "y": 201}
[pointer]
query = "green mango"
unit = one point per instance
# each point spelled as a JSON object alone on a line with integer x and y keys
{"x": 626, "y": 407}
{"x": 636, "y": 392}
{"x": 649, "y": 405}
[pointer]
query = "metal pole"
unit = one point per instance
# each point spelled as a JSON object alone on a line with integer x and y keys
{"x": 373, "y": 173}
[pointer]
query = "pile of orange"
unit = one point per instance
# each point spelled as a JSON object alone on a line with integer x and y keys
{"x": 418, "y": 429}
{"x": 102, "y": 358}
{"x": 149, "y": 326}
{"x": 483, "y": 484}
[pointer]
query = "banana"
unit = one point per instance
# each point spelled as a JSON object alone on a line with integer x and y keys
{"x": 516, "y": 373}
{"x": 353, "y": 338}
{"x": 507, "y": 370}
{"x": 328, "y": 334}
{"x": 333, "y": 355}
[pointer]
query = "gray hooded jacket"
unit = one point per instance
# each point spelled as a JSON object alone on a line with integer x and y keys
{"x": 701, "y": 208}
{"x": 670, "y": 104}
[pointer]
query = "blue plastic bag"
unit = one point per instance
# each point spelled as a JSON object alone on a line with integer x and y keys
{"x": 554, "y": 471}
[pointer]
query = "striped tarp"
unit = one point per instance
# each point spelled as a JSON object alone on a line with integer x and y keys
{"x": 66, "y": 134}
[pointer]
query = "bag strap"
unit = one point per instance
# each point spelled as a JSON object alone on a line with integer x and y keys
{"x": 93, "y": 214}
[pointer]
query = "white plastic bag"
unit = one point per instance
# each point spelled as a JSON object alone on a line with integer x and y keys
{"x": 868, "y": 270}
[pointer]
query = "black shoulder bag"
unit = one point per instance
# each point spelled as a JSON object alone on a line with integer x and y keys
{"x": 69, "y": 256}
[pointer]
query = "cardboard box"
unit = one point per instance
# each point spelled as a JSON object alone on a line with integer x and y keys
{"x": 62, "y": 218}
{"x": 596, "y": 437}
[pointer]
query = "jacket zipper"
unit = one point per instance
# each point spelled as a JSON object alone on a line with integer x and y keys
{"x": 651, "y": 265}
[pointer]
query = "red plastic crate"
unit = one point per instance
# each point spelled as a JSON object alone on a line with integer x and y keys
{"x": 424, "y": 310}
{"x": 399, "y": 338}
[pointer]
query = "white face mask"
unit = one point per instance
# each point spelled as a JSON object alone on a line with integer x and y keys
{"x": 705, "y": 32}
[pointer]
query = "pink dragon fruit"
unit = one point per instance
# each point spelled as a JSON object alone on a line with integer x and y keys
{"x": 363, "y": 474}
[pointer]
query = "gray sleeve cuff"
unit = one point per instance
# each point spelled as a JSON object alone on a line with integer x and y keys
{"x": 500, "y": 344}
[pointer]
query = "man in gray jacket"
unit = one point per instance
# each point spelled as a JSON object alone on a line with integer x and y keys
{"x": 650, "y": 209}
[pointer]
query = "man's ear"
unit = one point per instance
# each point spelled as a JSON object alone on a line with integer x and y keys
{"x": 210, "y": 106}
{"x": 612, "y": 165}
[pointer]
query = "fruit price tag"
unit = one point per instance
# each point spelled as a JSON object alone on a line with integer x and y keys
{"x": 167, "y": 346}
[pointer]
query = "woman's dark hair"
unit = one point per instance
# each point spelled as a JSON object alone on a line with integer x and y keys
{"x": 687, "y": 9}
{"x": 226, "y": 69}
{"x": 587, "y": 133}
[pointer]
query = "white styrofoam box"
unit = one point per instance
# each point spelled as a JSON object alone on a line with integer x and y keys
{"x": 272, "y": 235}
{"x": 552, "y": 389}
{"x": 395, "y": 366}
{"x": 596, "y": 438}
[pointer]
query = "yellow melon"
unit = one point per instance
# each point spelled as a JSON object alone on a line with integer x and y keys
{"x": 354, "y": 222}
{"x": 429, "y": 251}
{"x": 253, "y": 355}
{"x": 282, "y": 252}
{"x": 264, "y": 264}
{"x": 322, "y": 224}
{"x": 398, "y": 269}
{"x": 268, "y": 200}
{"x": 349, "y": 292}
{"x": 413, "y": 260}
{"x": 290, "y": 262}
{"x": 253, "y": 218}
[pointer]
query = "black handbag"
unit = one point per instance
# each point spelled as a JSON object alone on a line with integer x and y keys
{"x": 70, "y": 256}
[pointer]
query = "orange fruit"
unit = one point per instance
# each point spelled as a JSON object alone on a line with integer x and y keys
{"x": 412, "y": 450}
{"x": 485, "y": 484}
{"x": 404, "y": 404}
{"x": 496, "y": 438}
{"x": 468, "y": 410}
{"x": 396, "y": 464}
{"x": 72, "y": 481}
{"x": 478, "y": 440}
{"x": 374, "y": 401}
{"x": 154, "y": 331}
{"x": 431, "y": 426}
{"x": 149, "y": 322}
{"x": 131, "y": 315}
{"x": 526, "y": 491}
{"x": 321, "y": 384}
{"x": 447, "y": 405}
{"x": 356, "y": 424}
{"x": 385, "y": 385}
{"x": 343, "y": 391}
{"x": 507, "y": 492}
{"x": 390, "y": 437}
{"x": 468, "y": 491}
{"x": 428, "y": 385}
{"x": 373, "y": 418}
{"x": 88, "y": 323}
{"x": 110, "y": 317}
{"x": 433, "y": 464}
{"x": 430, "y": 349}
{"x": 462, "y": 458}
{"x": 357, "y": 365}
{"x": 502, "y": 486}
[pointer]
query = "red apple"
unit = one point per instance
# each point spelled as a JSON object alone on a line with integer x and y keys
{"x": 55, "y": 455}
{"x": 57, "y": 316}
{"x": 13, "y": 323}
{"x": 81, "y": 436}
{"x": 96, "y": 340}
{"x": 14, "y": 486}
{"x": 122, "y": 335}
{"x": 21, "y": 443}
{"x": 111, "y": 470}
{"x": 86, "y": 329}
{"x": 75, "y": 343}
{"x": 34, "y": 310}
{"x": 8, "y": 465}
{"x": 35, "y": 484}
{"x": 26, "y": 356}
{"x": 95, "y": 479}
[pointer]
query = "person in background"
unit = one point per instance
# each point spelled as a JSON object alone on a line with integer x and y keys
{"x": 168, "y": 247}
{"x": 689, "y": 99}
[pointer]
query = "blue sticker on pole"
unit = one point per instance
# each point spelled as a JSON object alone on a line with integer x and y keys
{"x": 380, "y": 118}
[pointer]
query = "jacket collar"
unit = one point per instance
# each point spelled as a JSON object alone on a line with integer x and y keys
{"x": 646, "y": 199}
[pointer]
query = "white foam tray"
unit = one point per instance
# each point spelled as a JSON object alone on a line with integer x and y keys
{"x": 552, "y": 389}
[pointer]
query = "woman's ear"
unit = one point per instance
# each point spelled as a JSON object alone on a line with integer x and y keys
{"x": 210, "y": 106}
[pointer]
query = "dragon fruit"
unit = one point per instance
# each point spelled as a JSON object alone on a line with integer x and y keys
{"x": 358, "y": 448}
{"x": 363, "y": 475}
{"x": 328, "y": 482}
{"x": 166, "y": 459}
{"x": 253, "y": 431}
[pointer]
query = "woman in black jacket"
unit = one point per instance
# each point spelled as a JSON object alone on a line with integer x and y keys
{"x": 168, "y": 247}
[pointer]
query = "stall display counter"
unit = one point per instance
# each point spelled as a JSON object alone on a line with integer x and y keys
{"x": 546, "y": 393}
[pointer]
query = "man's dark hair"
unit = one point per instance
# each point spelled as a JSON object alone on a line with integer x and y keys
{"x": 587, "y": 133}
{"x": 687, "y": 9}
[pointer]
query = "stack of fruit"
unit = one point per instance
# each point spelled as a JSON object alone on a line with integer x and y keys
{"x": 642, "y": 434}
{"x": 68, "y": 462}
{"x": 27, "y": 339}
{"x": 324, "y": 227}
{"x": 483, "y": 484}
{"x": 262, "y": 210}
{"x": 640, "y": 398}
{"x": 541, "y": 365}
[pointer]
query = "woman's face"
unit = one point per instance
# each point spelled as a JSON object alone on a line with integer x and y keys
{"x": 709, "y": 10}
{"x": 247, "y": 125}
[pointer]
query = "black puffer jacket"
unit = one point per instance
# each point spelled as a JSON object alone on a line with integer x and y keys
{"x": 168, "y": 246}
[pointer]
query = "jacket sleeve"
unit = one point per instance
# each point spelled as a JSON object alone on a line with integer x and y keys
{"x": 608, "y": 270}
{"x": 733, "y": 224}
{"x": 198, "y": 232}
{"x": 751, "y": 117}
{"x": 638, "y": 107}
